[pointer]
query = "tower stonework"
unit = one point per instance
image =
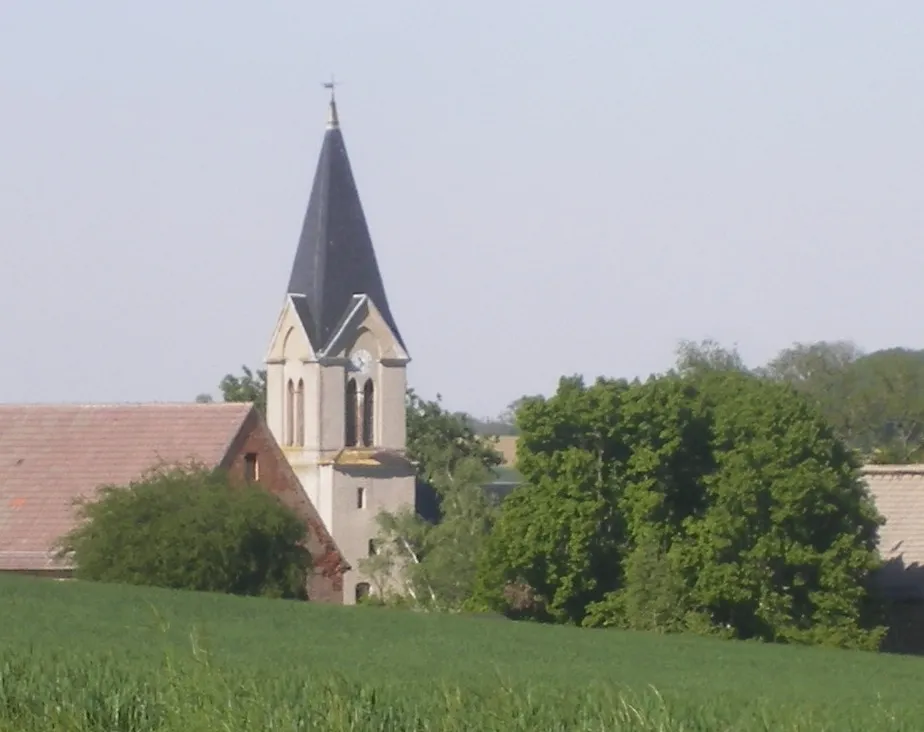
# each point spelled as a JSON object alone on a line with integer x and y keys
{"x": 336, "y": 369}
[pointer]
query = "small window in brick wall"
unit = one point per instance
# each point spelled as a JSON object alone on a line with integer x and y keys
{"x": 360, "y": 498}
{"x": 251, "y": 467}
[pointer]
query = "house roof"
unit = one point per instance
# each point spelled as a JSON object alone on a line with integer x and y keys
{"x": 52, "y": 454}
{"x": 898, "y": 491}
{"x": 335, "y": 259}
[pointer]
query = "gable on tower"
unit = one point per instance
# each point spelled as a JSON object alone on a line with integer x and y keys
{"x": 363, "y": 321}
{"x": 290, "y": 336}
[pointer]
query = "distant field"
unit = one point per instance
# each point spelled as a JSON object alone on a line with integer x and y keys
{"x": 82, "y": 657}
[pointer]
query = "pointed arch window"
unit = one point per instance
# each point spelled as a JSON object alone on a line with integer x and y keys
{"x": 300, "y": 413}
{"x": 290, "y": 412}
{"x": 368, "y": 414}
{"x": 350, "y": 414}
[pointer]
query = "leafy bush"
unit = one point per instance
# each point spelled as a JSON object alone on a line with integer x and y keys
{"x": 187, "y": 527}
{"x": 653, "y": 595}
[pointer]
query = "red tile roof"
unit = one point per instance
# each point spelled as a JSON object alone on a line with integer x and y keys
{"x": 52, "y": 454}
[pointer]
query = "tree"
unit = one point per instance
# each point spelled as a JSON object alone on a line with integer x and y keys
{"x": 438, "y": 441}
{"x": 435, "y": 548}
{"x": 452, "y": 546}
{"x": 823, "y": 372}
{"x": 810, "y": 365}
{"x": 707, "y": 355}
{"x": 188, "y": 527}
{"x": 787, "y": 542}
{"x": 249, "y": 387}
{"x": 435, "y": 561}
{"x": 719, "y": 494}
{"x": 558, "y": 536}
{"x": 874, "y": 401}
{"x": 888, "y": 393}
{"x": 654, "y": 595}
{"x": 398, "y": 549}
{"x": 509, "y": 415}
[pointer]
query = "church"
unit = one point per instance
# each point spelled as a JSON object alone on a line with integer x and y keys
{"x": 332, "y": 445}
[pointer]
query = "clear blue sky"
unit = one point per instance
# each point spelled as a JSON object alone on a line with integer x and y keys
{"x": 552, "y": 188}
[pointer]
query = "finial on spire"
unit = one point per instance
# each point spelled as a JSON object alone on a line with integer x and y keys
{"x": 332, "y": 120}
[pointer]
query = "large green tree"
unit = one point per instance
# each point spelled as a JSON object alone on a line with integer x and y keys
{"x": 188, "y": 527}
{"x": 787, "y": 540}
{"x": 714, "y": 501}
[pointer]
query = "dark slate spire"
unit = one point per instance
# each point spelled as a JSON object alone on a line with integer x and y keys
{"x": 335, "y": 259}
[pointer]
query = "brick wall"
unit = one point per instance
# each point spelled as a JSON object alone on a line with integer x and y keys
{"x": 276, "y": 476}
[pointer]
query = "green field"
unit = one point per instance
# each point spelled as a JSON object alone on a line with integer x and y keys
{"x": 81, "y": 657}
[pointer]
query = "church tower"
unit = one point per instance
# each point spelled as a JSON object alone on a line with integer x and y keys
{"x": 336, "y": 369}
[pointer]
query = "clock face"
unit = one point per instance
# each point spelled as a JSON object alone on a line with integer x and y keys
{"x": 361, "y": 361}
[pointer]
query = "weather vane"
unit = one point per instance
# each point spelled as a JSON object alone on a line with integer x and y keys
{"x": 332, "y": 85}
{"x": 332, "y": 119}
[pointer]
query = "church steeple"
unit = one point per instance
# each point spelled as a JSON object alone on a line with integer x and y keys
{"x": 336, "y": 370}
{"x": 335, "y": 259}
